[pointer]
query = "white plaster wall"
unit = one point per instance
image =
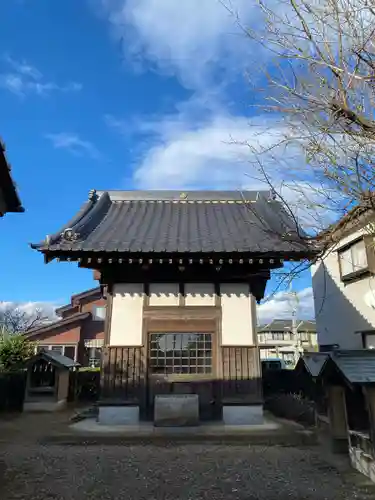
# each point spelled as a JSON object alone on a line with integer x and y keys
{"x": 164, "y": 294}
{"x": 238, "y": 315}
{"x": 342, "y": 309}
{"x": 199, "y": 294}
{"x": 127, "y": 315}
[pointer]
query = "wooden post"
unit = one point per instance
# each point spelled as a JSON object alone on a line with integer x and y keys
{"x": 338, "y": 418}
{"x": 369, "y": 393}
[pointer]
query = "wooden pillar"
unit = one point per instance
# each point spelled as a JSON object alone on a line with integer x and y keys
{"x": 338, "y": 418}
{"x": 369, "y": 392}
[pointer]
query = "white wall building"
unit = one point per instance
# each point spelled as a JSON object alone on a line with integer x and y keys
{"x": 344, "y": 285}
{"x": 277, "y": 340}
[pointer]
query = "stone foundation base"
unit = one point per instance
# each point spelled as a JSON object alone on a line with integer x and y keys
{"x": 118, "y": 415}
{"x": 176, "y": 410}
{"x": 243, "y": 415}
{"x": 44, "y": 405}
{"x": 363, "y": 462}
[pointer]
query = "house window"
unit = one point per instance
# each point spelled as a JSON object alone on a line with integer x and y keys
{"x": 304, "y": 336}
{"x": 181, "y": 353}
{"x": 261, "y": 338}
{"x": 278, "y": 336}
{"x": 353, "y": 260}
{"x": 369, "y": 340}
{"x": 57, "y": 348}
{"x": 69, "y": 351}
{"x": 40, "y": 348}
{"x": 98, "y": 313}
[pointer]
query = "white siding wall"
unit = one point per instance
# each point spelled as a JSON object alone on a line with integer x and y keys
{"x": 199, "y": 294}
{"x": 164, "y": 294}
{"x": 127, "y": 315}
{"x": 342, "y": 309}
{"x": 238, "y": 315}
{"x": 238, "y": 310}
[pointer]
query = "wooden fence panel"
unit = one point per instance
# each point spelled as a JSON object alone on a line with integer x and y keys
{"x": 12, "y": 391}
{"x": 123, "y": 374}
{"x": 241, "y": 380}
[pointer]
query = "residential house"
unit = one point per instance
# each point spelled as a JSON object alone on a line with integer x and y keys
{"x": 79, "y": 331}
{"x": 277, "y": 340}
{"x": 182, "y": 272}
{"x": 9, "y": 199}
{"x": 344, "y": 284}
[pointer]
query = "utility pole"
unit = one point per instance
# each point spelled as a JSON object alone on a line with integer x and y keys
{"x": 296, "y": 339}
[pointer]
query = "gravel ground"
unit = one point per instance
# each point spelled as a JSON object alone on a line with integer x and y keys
{"x": 181, "y": 472}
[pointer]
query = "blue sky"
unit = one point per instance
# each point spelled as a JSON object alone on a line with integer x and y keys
{"x": 118, "y": 95}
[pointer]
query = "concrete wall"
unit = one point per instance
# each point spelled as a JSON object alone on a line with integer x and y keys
{"x": 342, "y": 309}
{"x": 127, "y": 315}
{"x": 238, "y": 309}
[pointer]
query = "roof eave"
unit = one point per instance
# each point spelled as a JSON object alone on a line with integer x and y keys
{"x": 10, "y": 195}
{"x": 62, "y": 322}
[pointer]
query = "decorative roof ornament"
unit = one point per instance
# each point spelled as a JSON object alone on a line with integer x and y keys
{"x": 183, "y": 196}
{"x": 93, "y": 196}
{"x": 69, "y": 235}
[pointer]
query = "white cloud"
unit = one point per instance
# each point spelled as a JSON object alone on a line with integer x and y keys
{"x": 74, "y": 144}
{"x": 202, "y": 43}
{"x": 21, "y": 78}
{"x": 192, "y": 39}
{"x": 222, "y": 151}
{"x": 280, "y": 306}
{"x": 219, "y": 151}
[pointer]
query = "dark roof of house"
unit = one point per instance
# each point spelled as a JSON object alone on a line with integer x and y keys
{"x": 56, "y": 324}
{"x": 54, "y": 358}
{"x": 93, "y": 292}
{"x": 357, "y": 367}
{"x": 59, "y": 311}
{"x": 313, "y": 362}
{"x": 175, "y": 222}
{"x": 359, "y": 215}
{"x": 8, "y": 191}
{"x": 280, "y": 325}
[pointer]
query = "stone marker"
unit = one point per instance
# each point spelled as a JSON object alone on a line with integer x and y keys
{"x": 176, "y": 410}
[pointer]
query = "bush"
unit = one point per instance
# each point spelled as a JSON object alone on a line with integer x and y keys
{"x": 84, "y": 386}
{"x": 14, "y": 351}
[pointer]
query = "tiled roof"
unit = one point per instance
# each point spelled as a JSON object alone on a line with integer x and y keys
{"x": 280, "y": 325}
{"x": 55, "y": 358}
{"x": 358, "y": 367}
{"x": 174, "y": 222}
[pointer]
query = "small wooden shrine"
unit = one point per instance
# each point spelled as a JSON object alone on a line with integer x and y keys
{"x": 47, "y": 382}
{"x": 182, "y": 272}
{"x": 349, "y": 381}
